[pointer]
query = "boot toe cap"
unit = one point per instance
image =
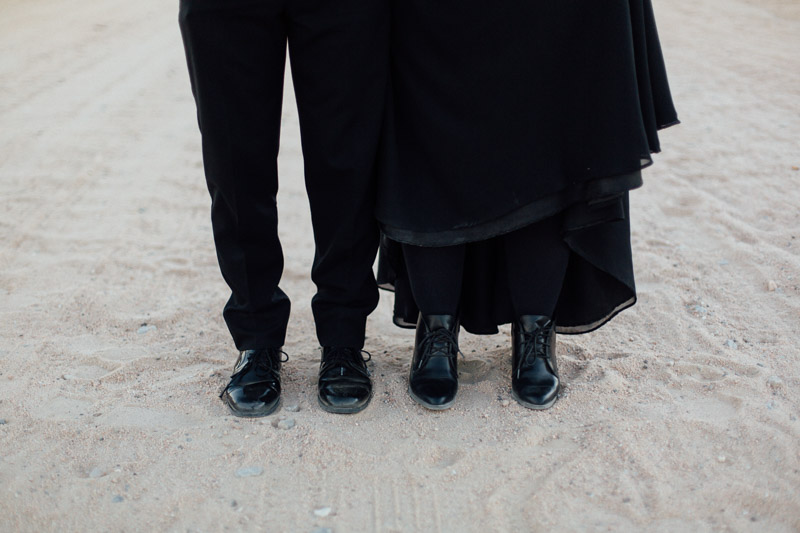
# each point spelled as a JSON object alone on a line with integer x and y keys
{"x": 344, "y": 397}
{"x": 434, "y": 393}
{"x": 251, "y": 401}
{"x": 539, "y": 395}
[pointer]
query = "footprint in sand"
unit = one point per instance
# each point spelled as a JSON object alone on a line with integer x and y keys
{"x": 61, "y": 408}
{"x": 444, "y": 458}
{"x": 142, "y": 417}
{"x": 87, "y": 372}
{"x": 473, "y": 371}
{"x": 712, "y": 410}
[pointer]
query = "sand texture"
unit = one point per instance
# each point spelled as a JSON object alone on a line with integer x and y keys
{"x": 680, "y": 415}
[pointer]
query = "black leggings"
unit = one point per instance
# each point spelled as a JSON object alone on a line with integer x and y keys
{"x": 536, "y": 258}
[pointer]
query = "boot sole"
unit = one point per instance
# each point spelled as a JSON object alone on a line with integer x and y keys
{"x": 343, "y": 410}
{"x": 431, "y": 406}
{"x": 535, "y": 406}
{"x": 260, "y": 414}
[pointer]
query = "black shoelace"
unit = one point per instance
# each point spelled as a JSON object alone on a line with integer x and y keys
{"x": 536, "y": 345}
{"x": 266, "y": 363}
{"x": 347, "y": 357}
{"x": 440, "y": 342}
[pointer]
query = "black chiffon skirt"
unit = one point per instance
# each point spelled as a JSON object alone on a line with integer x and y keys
{"x": 504, "y": 113}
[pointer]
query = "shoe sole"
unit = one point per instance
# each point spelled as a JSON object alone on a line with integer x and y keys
{"x": 431, "y": 406}
{"x": 535, "y": 406}
{"x": 343, "y": 410}
{"x": 242, "y": 414}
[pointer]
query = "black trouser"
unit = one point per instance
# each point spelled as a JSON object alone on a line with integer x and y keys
{"x": 236, "y": 50}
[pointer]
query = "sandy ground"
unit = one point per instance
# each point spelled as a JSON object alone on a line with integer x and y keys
{"x": 680, "y": 415}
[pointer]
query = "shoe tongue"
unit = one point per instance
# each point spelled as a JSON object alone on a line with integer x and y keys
{"x": 533, "y": 322}
{"x": 265, "y": 353}
{"x": 433, "y": 322}
{"x": 339, "y": 354}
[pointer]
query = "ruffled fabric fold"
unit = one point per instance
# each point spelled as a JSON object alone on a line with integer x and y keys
{"x": 555, "y": 114}
{"x": 598, "y": 284}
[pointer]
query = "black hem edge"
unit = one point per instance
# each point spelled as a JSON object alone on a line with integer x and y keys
{"x": 518, "y": 218}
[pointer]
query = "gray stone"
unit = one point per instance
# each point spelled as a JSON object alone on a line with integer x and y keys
{"x": 116, "y": 499}
{"x": 249, "y": 471}
{"x": 772, "y": 286}
{"x": 287, "y": 423}
{"x": 96, "y": 472}
{"x": 730, "y": 343}
{"x": 292, "y": 408}
{"x": 774, "y": 382}
{"x": 2, "y": 421}
{"x": 146, "y": 329}
{"x": 322, "y": 530}
{"x": 322, "y": 512}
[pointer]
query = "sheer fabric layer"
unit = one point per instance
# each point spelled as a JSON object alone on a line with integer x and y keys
{"x": 502, "y": 118}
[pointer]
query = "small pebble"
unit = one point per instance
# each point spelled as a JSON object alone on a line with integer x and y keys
{"x": 721, "y": 458}
{"x": 505, "y": 403}
{"x": 116, "y": 499}
{"x": 97, "y": 472}
{"x": 774, "y": 382}
{"x": 322, "y": 530}
{"x": 723, "y": 262}
{"x": 234, "y": 503}
{"x": 249, "y": 471}
{"x": 772, "y": 286}
{"x": 730, "y": 343}
{"x": 145, "y": 329}
{"x": 322, "y": 512}
{"x": 2, "y": 421}
{"x": 287, "y": 423}
{"x": 292, "y": 408}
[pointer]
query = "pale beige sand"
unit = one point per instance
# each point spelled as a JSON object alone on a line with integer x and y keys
{"x": 680, "y": 415}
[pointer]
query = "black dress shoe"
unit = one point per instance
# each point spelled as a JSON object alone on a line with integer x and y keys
{"x": 344, "y": 384}
{"x": 433, "y": 382}
{"x": 255, "y": 386}
{"x": 534, "y": 379}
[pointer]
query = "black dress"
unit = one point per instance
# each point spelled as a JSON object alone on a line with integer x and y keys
{"x": 504, "y": 113}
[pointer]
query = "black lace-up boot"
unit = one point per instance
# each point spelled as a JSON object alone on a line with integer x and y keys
{"x": 534, "y": 379}
{"x": 344, "y": 384}
{"x": 433, "y": 382}
{"x": 255, "y": 386}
